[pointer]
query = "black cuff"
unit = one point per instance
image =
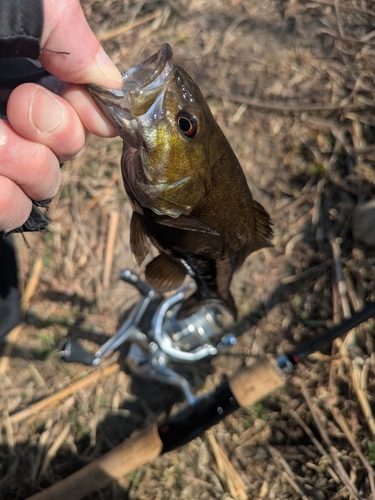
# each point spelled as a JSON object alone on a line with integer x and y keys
{"x": 10, "y": 308}
{"x": 37, "y": 220}
{"x": 21, "y": 27}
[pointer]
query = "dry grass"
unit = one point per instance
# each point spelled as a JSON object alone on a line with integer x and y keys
{"x": 292, "y": 84}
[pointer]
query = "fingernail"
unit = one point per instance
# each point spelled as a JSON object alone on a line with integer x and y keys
{"x": 46, "y": 113}
{"x": 107, "y": 67}
{"x": 3, "y": 137}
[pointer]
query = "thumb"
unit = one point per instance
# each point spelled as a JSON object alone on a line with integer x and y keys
{"x": 66, "y": 30}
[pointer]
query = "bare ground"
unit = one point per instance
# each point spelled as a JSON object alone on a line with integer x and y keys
{"x": 291, "y": 83}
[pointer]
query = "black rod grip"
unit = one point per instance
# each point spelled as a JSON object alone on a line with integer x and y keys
{"x": 345, "y": 326}
{"x": 192, "y": 422}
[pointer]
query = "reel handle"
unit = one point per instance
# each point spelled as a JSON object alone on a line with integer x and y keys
{"x": 133, "y": 279}
{"x": 72, "y": 352}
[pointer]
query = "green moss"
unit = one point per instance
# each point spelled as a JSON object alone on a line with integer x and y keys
{"x": 259, "y": 411}
{"x": 371, "y": 452}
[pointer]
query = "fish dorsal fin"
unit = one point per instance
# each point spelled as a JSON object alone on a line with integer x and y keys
{"x": 263, "y": 229}
{"x": 165, "y": 273}
{"x": 188, "y": 223}
{"x": 139, "y": 244}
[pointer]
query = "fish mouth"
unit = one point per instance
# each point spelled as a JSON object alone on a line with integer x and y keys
{"x": 141, "y": 86}
{"x": 151, "y": 73}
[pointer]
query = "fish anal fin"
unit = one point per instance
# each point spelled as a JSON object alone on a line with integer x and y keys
{"x": 263, "y": 223}
{"x": 139, "y": 243}
{"x": 188, "y": 223}
{"x": 165, "y": 273}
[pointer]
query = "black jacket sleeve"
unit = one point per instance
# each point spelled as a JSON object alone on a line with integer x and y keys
{"x": 21, "y": 26}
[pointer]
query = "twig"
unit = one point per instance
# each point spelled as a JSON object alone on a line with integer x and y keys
{"x": 64, "y": 393}
{"x": 333, "y": 452}
{"x": 42, "y": 446}
{"x": 53, "y": 450}
{"x": 8, "y": 430}
{"x": 37, "y": 376}
{"x": 68, "y": 258}
{"x": 302, "y": 197}
{"x": 229, "y": 474}
{"x": 289, "y": 474}
{"x": 349, "y": 9}
{"x": 358, "y": 303}
{"x": 12, "y": 336}
{"x": 107, "y": 35}
{"x": 11, "y": 472}
{"x": 336, "y": 131}
{"x": 32, "y": 284}
{"x": 344, "y": 38}
{"x": 340, "y": 419}
{"x": 111, "y": 238}
{"x": 91, "y": 204}
{"x": 341, "y": 285}
{"x": 315, "y": 217}
{"x": 316, "y": 443}
{"x": 287, "y": 280}
{"x": 289, "y": 247}
{"x": 292, "y": 108}
{"x": 340, "y": 24}
{"x": 362, "y": 396}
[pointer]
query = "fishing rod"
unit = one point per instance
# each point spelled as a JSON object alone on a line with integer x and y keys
{"x": 244, "y": 388}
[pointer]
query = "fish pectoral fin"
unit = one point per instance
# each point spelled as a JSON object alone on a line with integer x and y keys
{"x": 165, "y": 273}
{"x": 263, "y": 229}
{"x": 188, "y": 223}
{"x": 139, "y": 243}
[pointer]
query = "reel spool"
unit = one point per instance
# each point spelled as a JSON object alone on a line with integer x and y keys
{"x": 157, "y": 337}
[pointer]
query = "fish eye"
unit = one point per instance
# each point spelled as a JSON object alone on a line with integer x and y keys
{"x": 187, "y": 123}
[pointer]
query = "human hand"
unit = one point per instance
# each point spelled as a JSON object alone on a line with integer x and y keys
{"x": 45, "y": 129}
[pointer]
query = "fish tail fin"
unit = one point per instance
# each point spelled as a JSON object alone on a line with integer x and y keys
{"x": 263, "y": 223}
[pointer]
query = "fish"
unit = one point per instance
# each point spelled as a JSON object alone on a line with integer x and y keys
{"x": 188, "y": 192}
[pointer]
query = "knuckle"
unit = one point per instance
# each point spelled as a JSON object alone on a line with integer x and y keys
{"x": 15, "y": 207}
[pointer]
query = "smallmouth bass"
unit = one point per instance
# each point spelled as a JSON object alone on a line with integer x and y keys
{"x": 189, "y": 195}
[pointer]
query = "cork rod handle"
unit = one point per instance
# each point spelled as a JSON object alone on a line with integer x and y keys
{"x": 247, "y": 386}
{"x": 252, "y": 384}
{"x": 115, "y": 464}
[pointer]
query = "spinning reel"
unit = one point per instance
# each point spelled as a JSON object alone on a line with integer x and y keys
{"x": 157, "y": 338}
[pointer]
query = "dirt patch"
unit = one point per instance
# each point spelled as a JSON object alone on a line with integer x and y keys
{"x": 291, "y": 84}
